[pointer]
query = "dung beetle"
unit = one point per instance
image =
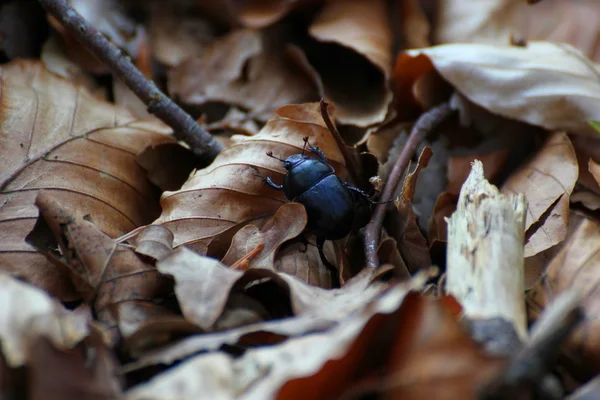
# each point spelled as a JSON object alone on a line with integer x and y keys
{"x": 334, "y": 208}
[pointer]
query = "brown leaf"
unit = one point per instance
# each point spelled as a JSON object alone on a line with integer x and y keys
{"x": 107, "y": 275}
{"x": 416, "y": 28}
{"x": 28, "y": 314}
{"x": 574, "y": 22}
{"x": 411, "y": 243}
{"x": 154, "y": 241}
{"x": 307, "y": 306}
{"x": 433, "y": 357}
{"x": 360, "y": 102}
{"x": 59, "y": 138}
{"x": 523, "y": 83}
{"x": 178, "y": 33}
{"x": 459, "y": 167}
{"x": 575, "y": 268}
{"x": 245, "y": 68}
{"x": 264, "y": 372}
{"x": 547, "y": 181}
{"x": 490, "y": 21}
{"x": 58, "y": 374}
{"x": 230, "y": 193}
{"x": 288, "y": 222}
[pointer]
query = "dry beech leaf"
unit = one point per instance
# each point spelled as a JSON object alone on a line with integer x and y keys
{"x": 154, "y": 241}
{"x": 108, "y": 276}
{"x": 257, "y": 14}
{"x": 459, "y": 167}
{"x": 415, "y": 25}
{"x": 575, "y": 268}
{"x": 245, "y": 68}
{"x": 307, "y": 306}
{"x": 288, "y": 222}
{"x": 230, "y": 193}
{"x": 177, "y": 33}
{"x": 29, "y": 313}
{"x": 264, "y": 371}
{"x": 547, "y": 181}
{"x": 411, "y": 243}
{"x": 346, "y": 27}
{"x": 433, "y": 357}
{"x": 544, "y": 84}
{"x": 573, "y": 22}
{"x": 57, "y": 374}
{"x": 57, "y": 137}
{"x": 489, "y": 21}
{"x": 438, "y": 227}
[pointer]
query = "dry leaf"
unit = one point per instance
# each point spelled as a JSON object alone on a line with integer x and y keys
{"x": 363, "y": 28}
{"x": 245, "y": 68}
{"x": 178, "y": 33}
{"x": 459, "y": 167}
{"x": 547, "y": 181}
{"x": 28, "y": 314}
{"x": 575, "y": 268}
{"x": 58, "y": 374}
{"x": 544, "y": 84}
{"x": 573, "y": 22}
{"x": 108, "y": 276}
{"x": 264, "y": 371}
{"x": 489, "y": 21}
{"x": 416, "y": 29}
{"x": 154, "y": 241}
{"x": 230, "y": 193}
{"x": 57, "y": 137}
{"x": 411, "y": 243}
{"x": 288, "y": 222}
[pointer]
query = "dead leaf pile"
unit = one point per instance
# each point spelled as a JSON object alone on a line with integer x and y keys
{"x": 129, "y": 270}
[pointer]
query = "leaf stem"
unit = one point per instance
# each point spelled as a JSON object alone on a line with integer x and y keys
{"x": 184, "y": 127}
{"x": 425, "y": 124}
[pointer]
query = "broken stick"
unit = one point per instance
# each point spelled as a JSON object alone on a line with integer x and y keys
{"x": 485, "y": 263}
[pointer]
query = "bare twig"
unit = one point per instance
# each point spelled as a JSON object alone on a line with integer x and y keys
{"x": 351, "y": 162}
{"x": 425, "y": 124}
{"x": 184, "y": 126}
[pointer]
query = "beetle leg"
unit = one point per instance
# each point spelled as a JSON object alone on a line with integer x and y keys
{"x": 335, "y": 282}
{"x": 318, "y": 152}
{"x": 365, "y": 195}
{"x": 269, "y": 182}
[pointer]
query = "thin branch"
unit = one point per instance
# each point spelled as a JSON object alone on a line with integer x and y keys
{"x": 351, "y": 162}
{"x": 184, "y": 126}
{"x": 425, "y": 124}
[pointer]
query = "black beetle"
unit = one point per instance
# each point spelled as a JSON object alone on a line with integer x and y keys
{"x": 334, "y": 208}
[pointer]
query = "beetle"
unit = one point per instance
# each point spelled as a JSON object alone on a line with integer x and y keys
{"x": 334, "y": 208}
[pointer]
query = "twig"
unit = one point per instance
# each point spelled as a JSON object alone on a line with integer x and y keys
{"x": 351, "y": 162}
{"x": 425, "y": 124}
{"x": 184, "y": 126}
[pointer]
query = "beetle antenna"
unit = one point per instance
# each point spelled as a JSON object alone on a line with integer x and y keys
{"x": 305, "y": 138}
{"x": 270, "y": 154}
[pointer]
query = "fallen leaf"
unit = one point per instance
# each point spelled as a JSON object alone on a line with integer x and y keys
{"x": 574, "y": 22}
{"x": 347, "y": 27}
{"x": 230, "y": 193}
{"x": 575, "y": 268}
{"x": 459, "y": 167}
{"x": 523, "y": 83}
{"x": 57, "y": 374}
{"x": 154, "y": 241}
{"x": 108, "y": 276}
{"x": 264, "y": 371}
{"x": 28, "y": 313}
{"x": 416, "y": 28}
{"x": 245, "y": 68}
{"x": 491, "y": 21}
{"x": 178, "y": 33}
{"x": 59, "y": 138}
{"x": 288, "y": 222}
{"x": 547, "y": 181}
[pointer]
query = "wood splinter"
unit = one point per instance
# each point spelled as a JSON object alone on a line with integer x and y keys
{"x": 485, "y": 263}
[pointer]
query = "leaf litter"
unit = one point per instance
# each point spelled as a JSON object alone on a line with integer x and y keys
{"x": 130, "y": 270}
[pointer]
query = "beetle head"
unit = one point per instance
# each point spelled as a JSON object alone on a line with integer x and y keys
{"x": 292, "y": 161}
